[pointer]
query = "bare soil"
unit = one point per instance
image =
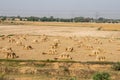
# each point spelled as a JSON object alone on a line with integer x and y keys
{"x": 58, "y": 31}
{"x": 68, "y": 36}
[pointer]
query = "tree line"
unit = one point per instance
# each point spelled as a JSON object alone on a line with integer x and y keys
{"x": 53, "y": 19}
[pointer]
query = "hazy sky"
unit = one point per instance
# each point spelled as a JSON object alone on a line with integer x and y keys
{"x": 61, "y": 8}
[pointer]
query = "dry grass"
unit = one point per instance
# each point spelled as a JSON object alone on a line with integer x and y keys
{"x": 103, "y": 26}
{"x": 78, "y": 54}
{"x": 86, "y": 32}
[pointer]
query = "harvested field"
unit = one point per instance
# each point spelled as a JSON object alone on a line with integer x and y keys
{"x": 58, "y": 31}
{"x": 84, "y": 41}
{"x": 59, "y": 51}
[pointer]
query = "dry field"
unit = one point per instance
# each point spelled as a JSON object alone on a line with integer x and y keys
{"x": 60, "y": 42}
{"x": 102, "y": 26}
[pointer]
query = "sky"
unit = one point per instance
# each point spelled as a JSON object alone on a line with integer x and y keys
{"x": 61, "y": 8}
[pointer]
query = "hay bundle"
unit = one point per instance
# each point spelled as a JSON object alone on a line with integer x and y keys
{"x": 64, "y": 56}
{"x": 10, "y": 55}
{"x": 54, "y": 45}
{"x": 52, "y": 51}
{"x": 27, "y": 47}
{"x": 12, "y": 40}
{"x": 100, "y": 58}
{"x": 19, "y": 43}
{"x": 94, "y": 53}
{"x": 89, "y": 47}
{"x": 43, "y": 37}
{"x": 69, "y": 49}
{"x": 35, "y": 41}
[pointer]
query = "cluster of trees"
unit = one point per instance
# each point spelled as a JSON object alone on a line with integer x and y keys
{"x": 53, "y": 19}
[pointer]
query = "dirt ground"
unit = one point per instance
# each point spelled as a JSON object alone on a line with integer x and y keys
{"x": 83, "y": 40}
{"x": 58, "y": 31}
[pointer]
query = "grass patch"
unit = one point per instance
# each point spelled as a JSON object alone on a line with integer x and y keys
{"x": 116, "y": 66}
{"x": 1, "y": 35}
{"x": 100, "y": 28}
{"x": 97, "y": 62}
{"x": 10, "y": 35}
{"x": 40, "y": 65}
{"x": 118, "y": 38}
{"x": 52, "y": 61}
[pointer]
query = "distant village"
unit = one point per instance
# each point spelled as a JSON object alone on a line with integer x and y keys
{"x": 53, "y": 19}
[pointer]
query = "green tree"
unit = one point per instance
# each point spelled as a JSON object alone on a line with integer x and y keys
{"x": 32, "y": 18}
{"x": 101, "y": 76}
{"x": 3, "y": 18}
{"x": 44, "y": 19}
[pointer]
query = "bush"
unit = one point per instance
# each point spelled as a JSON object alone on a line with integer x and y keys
{"x": 1, "y": 35}
{"x": 66, "y": 69}
{"x": 101, "y": 76}
{"x": 73, "y": 78}
{"x": 116, "y": 66}
{"x": 99, "y": 28}
{"x": 11, "y": 35}
{"x": 2, "y": 77}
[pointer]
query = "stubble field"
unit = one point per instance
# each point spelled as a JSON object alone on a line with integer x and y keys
{"x": 88, "y": 43}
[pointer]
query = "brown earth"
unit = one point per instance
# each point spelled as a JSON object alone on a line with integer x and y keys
{"x": 54, "y": 70}
{"x": 58, "y": 31}
{"x": 68, "y": 36}
{"x": 108, "y": 41}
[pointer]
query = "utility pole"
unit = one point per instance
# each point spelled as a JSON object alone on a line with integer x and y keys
{"x": 73, "y": 17}
{"x": 96, "y": 16}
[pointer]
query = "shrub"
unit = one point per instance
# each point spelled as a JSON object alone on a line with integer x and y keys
{"x": 99, "y": 28}
{"x": 101, "y": 76}
{"x": 2, "y": 77}
{"x": 116, "y": 66}
{"x": 11, "y": 35}
{"x": 66, "y": 69}
{"x": 73, "y": 78}
{"x": 40, "y": 65}
{"x": 1, "y": 35}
